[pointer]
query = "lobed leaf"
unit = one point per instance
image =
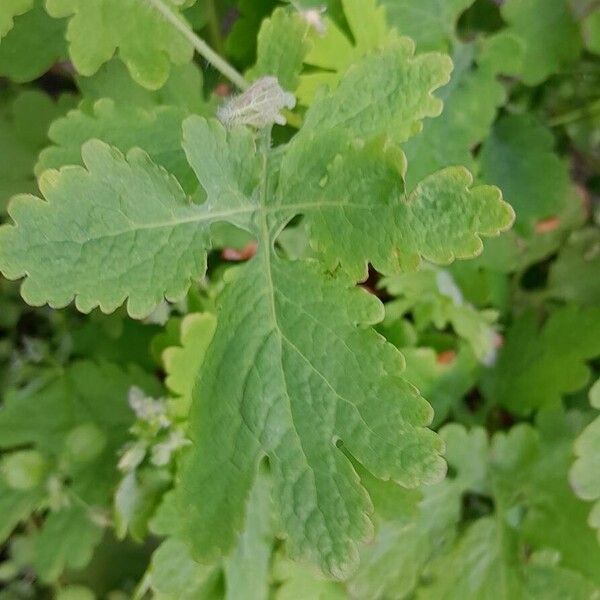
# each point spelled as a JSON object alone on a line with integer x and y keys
{"x": 305, "y": 378}
{"x": 145, "y": 41}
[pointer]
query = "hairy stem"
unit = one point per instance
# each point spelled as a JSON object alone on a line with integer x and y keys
{"x": 200, "y": 45}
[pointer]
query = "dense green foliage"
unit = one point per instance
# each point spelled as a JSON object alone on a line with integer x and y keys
{"x": 333, "y": 335}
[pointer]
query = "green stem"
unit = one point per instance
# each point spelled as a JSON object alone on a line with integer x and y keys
{"x": 214, "y": 27}
{"x": 200, "y": 45}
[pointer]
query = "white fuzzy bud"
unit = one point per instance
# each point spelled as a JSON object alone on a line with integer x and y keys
{"x": 259, "y": 106}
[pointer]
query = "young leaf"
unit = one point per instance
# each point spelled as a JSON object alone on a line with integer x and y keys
{"x": 332, "y": 53}
{"x": 145, "y": 41}
{"x": 182, "y": 363}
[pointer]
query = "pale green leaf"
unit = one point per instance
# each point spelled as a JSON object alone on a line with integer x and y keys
{"x": 174, "y": 575}
{"x": 294, "y": 370}
{"x": 471, "y": 101}
{"x": 182, "y": 363}
{"x": 332, "y": 53}
{"x": 145, "y": 41}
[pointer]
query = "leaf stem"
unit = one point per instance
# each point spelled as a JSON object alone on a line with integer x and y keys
{"x": 200, "y": 45}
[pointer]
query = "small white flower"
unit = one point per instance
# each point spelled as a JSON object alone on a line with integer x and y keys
{"x": 161, "y": 453}
{"x": 148, "y": 409}
{"x": 259, "y": 106}
{"x": 314, "y": 17}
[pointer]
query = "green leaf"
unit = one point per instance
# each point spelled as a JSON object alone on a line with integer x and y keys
{"x": 520, "y": 159}
{"x": 24, "y": 122}
{"x": 157, "y": 224}
{"x": 156, "y": 131}
{"x": 431, "y": 23}
{"x": 444, "y": 386}
{"x": 283, "y": 42}
{"x": 550, "y": 36}
{"x": 434, "y": 298}
{"x": 504, "y": 524}
{"x": 573, "y": 275}
{"x": 182, "y": 363}
{"x": 286, "y": 401}
{"x": 281, "y": 377}
{"x": 66, "y": 540}
{"x": 483, "y": 565}
{"x": 174, "y": 575}
{"x": 585, "y": 472}
{"x": 32, "y": 46}
{"x": 136, "y": 499}
{"x": 392, "y": 565}
{"x": 9, "y": 10}
{"x": 242, "y": 39}
{"x": 361, "y": 184}
{"x": 183, "y": 88}
{"x": 16, "y": 506}
{"x": 245, "y": 572}
{"x": 145, "y": 41}
{"x": 248, "y": 569}
{"x": 333, "y": 53}
{"x": 471, "y": 101}
{"x": 536, "y": 367}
